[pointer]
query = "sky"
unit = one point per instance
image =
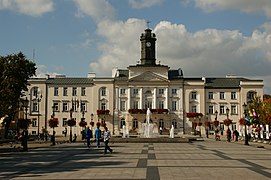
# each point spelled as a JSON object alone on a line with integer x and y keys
{"x": 205, "y": 38}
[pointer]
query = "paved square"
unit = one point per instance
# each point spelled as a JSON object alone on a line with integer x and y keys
{"x": 207, "y": 159}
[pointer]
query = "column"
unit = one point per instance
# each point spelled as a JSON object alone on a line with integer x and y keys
{"x": 154, "y": 98}
{"x": 141, "y": 98}
{"x": 129, "y": 98}
{"x": 166, "y": 101}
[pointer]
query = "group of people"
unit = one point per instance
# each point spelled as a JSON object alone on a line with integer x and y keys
{"x": 232, "y": 135}
{"x": 98, "y": 138}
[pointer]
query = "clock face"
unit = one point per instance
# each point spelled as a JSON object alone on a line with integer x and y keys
{"x": 148, "y": 44}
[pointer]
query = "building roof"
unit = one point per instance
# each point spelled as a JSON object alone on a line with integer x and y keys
{"x": 223, "y": 82}
{"x": 69, "y": 81}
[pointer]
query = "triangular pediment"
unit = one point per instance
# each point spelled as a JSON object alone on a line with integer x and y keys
{"x": 148, "y": 76}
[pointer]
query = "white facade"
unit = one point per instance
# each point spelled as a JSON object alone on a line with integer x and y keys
{"x": 129, "y": 92}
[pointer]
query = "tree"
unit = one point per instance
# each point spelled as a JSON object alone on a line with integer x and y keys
{"x": 15, "y": 70}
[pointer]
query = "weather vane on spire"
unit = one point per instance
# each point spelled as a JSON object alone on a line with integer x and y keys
{"x": 148, "y": 23}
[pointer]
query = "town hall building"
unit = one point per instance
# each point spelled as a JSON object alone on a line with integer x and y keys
{"x": 124, "y": 98}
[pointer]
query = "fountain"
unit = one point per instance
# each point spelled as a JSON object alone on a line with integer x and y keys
{"x": 149, "y": 128}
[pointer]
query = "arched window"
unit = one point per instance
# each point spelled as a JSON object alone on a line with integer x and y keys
{"x": 135, "y": 123}
{"x": 174, "y": 123}
{"x": 250, "y": 96}
{"x": 161, "y": 123}
{"x": 122, "y": 122}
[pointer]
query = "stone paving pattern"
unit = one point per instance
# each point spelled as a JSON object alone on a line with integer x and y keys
{"x": 206, "y": 159}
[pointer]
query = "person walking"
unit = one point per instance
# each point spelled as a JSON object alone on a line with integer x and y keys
{"x": 98, "y": 136}
{"x": 228, "y": 132}
{"x": 236, "y": 134}
{"x": 88, "y": 136}
{"x": 107, "y": 136}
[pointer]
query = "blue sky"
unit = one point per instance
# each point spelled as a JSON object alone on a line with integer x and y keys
{"x": 203, "y": 37}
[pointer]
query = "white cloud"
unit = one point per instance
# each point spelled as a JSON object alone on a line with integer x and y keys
{"x": 208, "y": 52}
{"x": 139, "y": 4}
{"x": 97, "y": 9}
{"x": 28, "y": 7}
{"x": 248, "y": 6}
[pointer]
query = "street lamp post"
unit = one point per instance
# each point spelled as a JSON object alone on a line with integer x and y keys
{"x": 216, "y": 113}
{"x": 71, "y": 111}
{"x": 38, "y": 99}
{"x": 25, "y": 131}
{"x": 245, "y": 113}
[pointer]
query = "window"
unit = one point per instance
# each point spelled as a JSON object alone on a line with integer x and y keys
{"x": 222, "y": 109}
{"x": 56, "y": 91}
{"x": 135, "y": 123}
{"x": 65, "y": 107}
{"x": 211, "y": 110}
{"x": 194, "y": 95}
{"x": 122, "y": 122}
{"x": 103, "y": 91}
{"x": 122, "y": 105}
{"x": 148, "y": 104}
{"x": 135, "y": 105}
{"x": 83, "y": 91}
{"x": 122, "y": 91}
{"x": 210, "y": 95}
{"x": 35, "y": 92}
{"x": 174, "y": 91}
{"x": 35, "y": 106}
{"x": 74, "y": 91}
{"x": 74, "y": 107}
{"x": 233, "y": 95}
{"x": 174, "y": 123}
{"x": 34, "y": 122}
{"x": 56, "y": 106}
{"x": 193, "y": 108}
{"x": 250, "y": 96}
{"x": 161, "y": 104}
{"x": 161, "y": 91}
{"x": 161, "y": 123}
{"x": 174, "y": 105}
{"x": 83, "y": 106}
{"x": 233, "y": 109}
{"x": 135, "y": 91}
{"x": 103, "y": 106}
{"x": 64, "y": 122}
{"x": 222, "y": 95}
{"x": 65, "y": 91}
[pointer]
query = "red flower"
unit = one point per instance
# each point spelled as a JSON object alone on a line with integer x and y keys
{"x": 53, "y": 122}
{"x": 227, "y": 122}
{"x": 193, "y": 114}
{"x": 82, "y": 123}
{"x": 71, "y": 122}
{"x": 24, "y": 123}
{"x": 216, "y": 123}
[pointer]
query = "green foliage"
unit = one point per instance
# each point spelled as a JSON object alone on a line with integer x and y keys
{"x": 15, "y": 70}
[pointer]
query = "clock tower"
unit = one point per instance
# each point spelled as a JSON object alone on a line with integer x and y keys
{"x": 148, "y": 48}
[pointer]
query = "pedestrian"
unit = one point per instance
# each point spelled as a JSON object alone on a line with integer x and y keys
{"x": 88, "y": 136}
{"x": 65, "y": 132}
{"x": 107, "y": 136}
{"x": 98, "y": 136}
{"x": 74, "y": 138}
{"x": 24, "y": 139}
{"x": 236, "y": 134}
{"x": 228, "y": 132}
{"x": 53, "y": 138}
